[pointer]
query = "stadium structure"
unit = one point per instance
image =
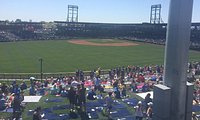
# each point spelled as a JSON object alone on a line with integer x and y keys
{"x": 153, "y": 32}
{"x": 39, "y": 30}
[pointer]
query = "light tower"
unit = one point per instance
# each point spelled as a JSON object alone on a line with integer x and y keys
{"x": 155, "y": 15}
{"x": 72, "y": 15}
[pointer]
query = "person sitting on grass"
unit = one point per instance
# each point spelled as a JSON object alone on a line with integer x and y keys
{"x": 54, "y": 90}
{"x": 145, "y": 87}
{"x": 42, "y": 90}
{"x": 115, "y": 84}
{"x": 1, "y": 94}
{"x": 60, "y": 88}
{"x": 91, "y": 95}
{"x": 23, "y": 86}
{"x": 16, "y": 89}
{"x": 32, "y": 90}
{"x": 64, "y": 93}
{"x": 37, "y": 114}
{"x": 14, "y": 83}
{"x": 117, "y": 93}
{"x": 4, "y": 88}
{"x": 10, "y": 100}
{"x": 46, "y": 83}
{"x": 194, "y": 116}
{"x": 2, "y": 101}
{"x": 124, "y": 91}
{"x": 102, "y": 89}
{"x": 2, "y": 104}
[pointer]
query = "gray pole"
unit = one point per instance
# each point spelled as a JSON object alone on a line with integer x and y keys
{"x": 176, "y": 55}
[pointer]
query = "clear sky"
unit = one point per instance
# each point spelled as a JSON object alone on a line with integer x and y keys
{"x": 105, "y": 11}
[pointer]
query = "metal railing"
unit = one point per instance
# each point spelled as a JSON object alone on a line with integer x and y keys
{"x": 22, "y": 76}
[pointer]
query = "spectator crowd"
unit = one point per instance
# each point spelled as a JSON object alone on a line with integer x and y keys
{"x": 78, "y": 89}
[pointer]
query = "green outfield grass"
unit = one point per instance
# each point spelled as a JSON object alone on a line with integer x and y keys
{"x": 61, "y": 56}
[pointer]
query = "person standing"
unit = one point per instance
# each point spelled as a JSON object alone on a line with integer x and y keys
{"x": 109, "y": 102}
{"x": 72, "y": 97}
{"x": 16, "y": 107}
{"x": 82, "y": 97}
{"x": 139, "y": 111}
{"x": 147, "y": 100}
{"x": 97, "y": 84}
{"x": 149, "y": 111}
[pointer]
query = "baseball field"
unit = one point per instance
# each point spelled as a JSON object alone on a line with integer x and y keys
{"x": 85, "y": 54}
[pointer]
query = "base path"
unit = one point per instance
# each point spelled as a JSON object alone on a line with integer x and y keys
{"x": 85, "y": 42}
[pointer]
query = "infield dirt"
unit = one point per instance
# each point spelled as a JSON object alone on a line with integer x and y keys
{"x": 84, "y": 42}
